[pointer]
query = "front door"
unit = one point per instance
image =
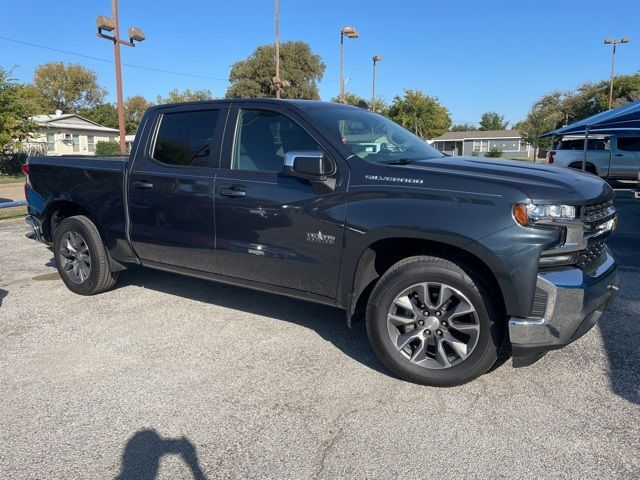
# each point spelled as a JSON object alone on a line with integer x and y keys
{"x": 625, "y": 162}
{"x": 271, "y": 227}
{"x": 171, "y": 188}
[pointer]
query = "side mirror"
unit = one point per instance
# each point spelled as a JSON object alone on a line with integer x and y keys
{"x": 308, "y": 164}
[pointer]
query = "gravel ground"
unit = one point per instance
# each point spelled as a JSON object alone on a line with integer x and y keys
{"x": 171, "y": 377}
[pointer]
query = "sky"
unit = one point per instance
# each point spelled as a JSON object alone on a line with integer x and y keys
{"x": 475, "y": 56}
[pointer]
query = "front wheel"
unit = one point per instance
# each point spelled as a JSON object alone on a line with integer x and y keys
{"x": 81, "y": 258}
{"x": 432, "y": 321}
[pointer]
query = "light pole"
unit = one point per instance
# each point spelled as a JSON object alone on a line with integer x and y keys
{"x": 135, "y": 35}
{"x": 376, "y": 59}
{"x": 611, "y": 41}
{"x": 349, "y": 32}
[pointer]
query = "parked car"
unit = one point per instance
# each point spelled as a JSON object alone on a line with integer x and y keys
{"x": 615, "y": 157}
{"x": 451, "y": 257}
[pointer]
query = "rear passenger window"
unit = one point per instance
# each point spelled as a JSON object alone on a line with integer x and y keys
{"x": 629, "y": 144}
{"x": 184, "y": 138}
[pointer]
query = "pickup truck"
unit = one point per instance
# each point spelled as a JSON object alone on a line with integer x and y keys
{"x": 615, "y": 157}
{"x": 449, "y": 258}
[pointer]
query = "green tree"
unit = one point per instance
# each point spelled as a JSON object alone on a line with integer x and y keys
{"x": 253, "y": 77}
{"x": 134, "y": 108}
{"x": 493, "y": 121}
{"x": 106, "y": 114}
{"x": 420, "y": 113}
{"x": 15, "y": 112}
{"x": 351, "y": 99}
{"x": 544, "y": 116}
{"x": 463, "y": 127}
{"x": 176, "y": 96}
{"x": 69, "y": 87}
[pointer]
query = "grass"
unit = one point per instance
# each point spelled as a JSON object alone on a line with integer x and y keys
{"x": 12, "y": 212}
{"x": 11, "y": 179}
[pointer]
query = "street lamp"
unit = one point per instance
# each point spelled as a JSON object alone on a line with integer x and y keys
{"x": 611, "y": 41}
{"x": 106, "y": 24}
{"x": 376, "y": 59}
{"x": 348, "y": 32}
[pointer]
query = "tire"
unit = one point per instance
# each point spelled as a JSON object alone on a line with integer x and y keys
{"x": 469, "y": 341}
{"x": 81, "y": 258}
{"x": 589, "y": 168}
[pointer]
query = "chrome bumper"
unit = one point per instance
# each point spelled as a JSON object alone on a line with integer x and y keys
{"x": 575, "y": 302}
{"x": 34, "y": 229}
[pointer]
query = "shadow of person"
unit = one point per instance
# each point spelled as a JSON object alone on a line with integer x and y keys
{"x": 142, "y": 454}
{"x": 3, "y": 293}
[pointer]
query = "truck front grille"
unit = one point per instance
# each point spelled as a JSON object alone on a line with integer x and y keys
{"x": 584, "y": 258}
{"x": 593, "y": 213}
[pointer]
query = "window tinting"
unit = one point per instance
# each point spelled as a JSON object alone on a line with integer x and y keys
{"x": 263, "y": 139}
{"x": 184, "y": 138}
{"x": 629, "y": 144}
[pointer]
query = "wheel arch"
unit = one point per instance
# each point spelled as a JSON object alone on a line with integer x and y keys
{"x": 589, "y": 167}
{"x": 381, "y": 254}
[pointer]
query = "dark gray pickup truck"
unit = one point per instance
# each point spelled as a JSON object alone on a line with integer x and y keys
{"x": 451, "y": 258}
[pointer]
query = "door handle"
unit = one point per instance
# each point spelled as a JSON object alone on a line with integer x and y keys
{"x": 232, "y": 192}
{"x": 143, "y": 185}
{"x": 619, "y": 155}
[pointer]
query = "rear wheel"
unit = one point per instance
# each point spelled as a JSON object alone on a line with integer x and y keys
{"x": 81, "y": 258}
{"x": 432, "y": 321}
{"x": 589, "y": 167}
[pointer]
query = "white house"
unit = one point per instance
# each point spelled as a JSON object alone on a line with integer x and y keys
{"x": 480, "y": 142}
{"x": 69, "y": 134}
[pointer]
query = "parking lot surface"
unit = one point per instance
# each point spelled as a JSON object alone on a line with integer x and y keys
{"x": 171, "y": 377}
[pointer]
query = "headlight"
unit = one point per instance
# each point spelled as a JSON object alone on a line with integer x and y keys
{"x": 527, "y": 214}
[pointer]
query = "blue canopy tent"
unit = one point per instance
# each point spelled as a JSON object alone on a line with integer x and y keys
{"x": 618, "y": 120}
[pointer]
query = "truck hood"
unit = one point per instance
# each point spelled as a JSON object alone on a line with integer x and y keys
{"x": 541, "y": 183}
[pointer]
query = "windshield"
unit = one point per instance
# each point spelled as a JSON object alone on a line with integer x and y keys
{"x": 374, "y": 137}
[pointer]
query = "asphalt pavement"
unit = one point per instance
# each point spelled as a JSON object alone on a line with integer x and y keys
{"x": 171, "y": 377}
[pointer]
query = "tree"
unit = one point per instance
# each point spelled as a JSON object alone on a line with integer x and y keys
{"x": 134, "y": 108}
{"x": 463, "y": 127}
{"x": 253, "y": 77}
{"x": 351, "y": 99}
{"x": 106, "y": 114}
{"x": 175, "y": 96}
{"x": 420, "y": 113}
{"x": 493, "y": 121}
{"x": 70, "y": 87}
{"x": 543, "y": 117}
{"x": 15, "y": 122}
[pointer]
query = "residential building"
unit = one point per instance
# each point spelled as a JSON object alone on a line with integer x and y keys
{"x": 479, "y": 142}
{"x": 69, "y": 134}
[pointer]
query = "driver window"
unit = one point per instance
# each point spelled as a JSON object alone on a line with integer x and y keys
{"x": 264, "y": 137}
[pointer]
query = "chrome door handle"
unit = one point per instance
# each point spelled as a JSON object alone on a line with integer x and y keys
{"x": 143, "y": 185}
{"x": 232, "y": 192}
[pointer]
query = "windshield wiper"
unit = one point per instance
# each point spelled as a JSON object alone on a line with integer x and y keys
{"x": 400, "y": 161}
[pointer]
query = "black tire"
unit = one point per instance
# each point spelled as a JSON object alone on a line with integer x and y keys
{"x": 420, "y": 269}
{"x": 100, "y": 277}
{"x": 589, "y": 168}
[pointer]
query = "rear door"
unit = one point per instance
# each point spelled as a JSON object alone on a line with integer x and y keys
{"x": 271, "y": 227}
{"x": 625, "y": 160}
{"x": 171, "y": 187}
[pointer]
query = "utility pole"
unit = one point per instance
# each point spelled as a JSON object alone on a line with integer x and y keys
{"x": 135, "y": 35}
{"x": 611, "y": 41}
{"x": 277, "y": 81}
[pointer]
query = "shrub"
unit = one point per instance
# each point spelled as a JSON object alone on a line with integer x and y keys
{"x": 475, "y": 153}
{"x": 11, "y": 164}
{"x": 107, "y": 148}
{"x": 494, "y": 152}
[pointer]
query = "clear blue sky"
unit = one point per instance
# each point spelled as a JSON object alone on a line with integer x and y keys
{"x": 474, "y": 55}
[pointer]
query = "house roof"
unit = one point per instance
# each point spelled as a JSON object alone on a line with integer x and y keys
{"x": 479, "y": 135}
{"x": 70, "y": 121}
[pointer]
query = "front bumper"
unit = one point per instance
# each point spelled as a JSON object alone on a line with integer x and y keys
{"x": 575, "y": 302}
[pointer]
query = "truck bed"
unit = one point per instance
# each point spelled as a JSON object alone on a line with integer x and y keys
{"x": 94, "y": 184}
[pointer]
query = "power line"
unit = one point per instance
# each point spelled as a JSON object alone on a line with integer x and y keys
{"x": 111, "y": 61}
